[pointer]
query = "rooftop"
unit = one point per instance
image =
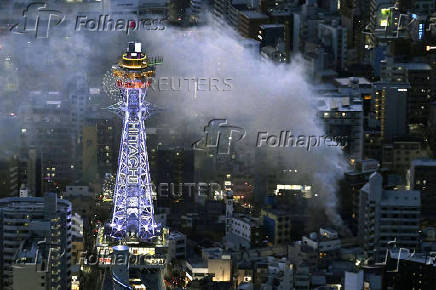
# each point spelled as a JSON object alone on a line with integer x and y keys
{"x": 352, "y": 80}
{"x": 405, "y": 254}
{"x": 416, "y": 66}
{"x": 405, "y": 198}
{"x": 251, "y": 14}
{"x": 265, "y": 26}
{"x": 424, "y": 162}
{"x": 341, "y": 104}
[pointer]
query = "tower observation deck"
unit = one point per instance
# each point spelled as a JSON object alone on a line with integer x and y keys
{"x": 133, "y": 214}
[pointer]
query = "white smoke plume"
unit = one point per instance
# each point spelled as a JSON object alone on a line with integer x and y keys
{"x": 264, "y": 97}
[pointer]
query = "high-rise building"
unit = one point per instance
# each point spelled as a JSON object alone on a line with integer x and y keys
{"x": 375, "y": 21}
{"x": 386, "y": 217}
{"x": 354, "y": 180}
{"x": 419, "y": 94}
{"x": 78, "y": 97}
{"x": 422, "y": 177}
{"x": 343, "y": 119}
{"x": 30, "y": 223}
{"x": 11, "y": 177}
{"x": 391, "y": 109}
{"x": 333, "y": 38}
{"x": 173, "y": 165}
{"x": 249, "y": 22}
{"x": 269, "y": 34}
{"x": 46, "y": 126}
{"x": 33, "y": 172}
{"x": 178, "y": 12}
{"x": 398, "y": 154}
{"x": 100, "y": 144}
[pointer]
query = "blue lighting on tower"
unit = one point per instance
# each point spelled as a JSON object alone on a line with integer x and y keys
{"x": 133, "y": 213}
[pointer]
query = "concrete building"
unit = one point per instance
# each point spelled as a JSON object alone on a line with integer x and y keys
{"x": 274, "y": 42}
{"x": 176, "y": 246}
{"x": 302, "y": 275}
{"x": 419, "y": 94}
{"x": 409, "y": 270}
{"x": 391, "y": 108}
{"x": 218, "y": 263}
{"x": 276, "y": 53}
{"x": 245, "y": 232}
{"x": 77, "y": 226}
{"x": 419, "y": 97}
{"x": 354, "y": 181}
{"x": 422, "y": 177}
{"x": 250, "y": 21}
{"x": 399, "y": 154}
{"x": 101, "y": 139}
{"x": 279, "y": 274}
{"x": 11, "y": 177}
{"x": 25, "y": 222}
{"x": 354, "y": 280}
{"x": 387, "y": 216}
{"x": 326, "y": 243}
{"x": 277, "y": 225}
{"x": 333, "y": 38}
{"x": 214, "y": 263}
{"x": 78, "y": 97}
{"x": 269, "y": 34}
{"x": 31, "y": 267}
{"x": 46, "y": 126}
{"x": 72, "y": 191}
{"x": 343, "y": 119}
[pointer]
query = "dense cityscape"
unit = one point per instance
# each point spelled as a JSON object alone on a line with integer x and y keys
{"x": 219, "y": 144}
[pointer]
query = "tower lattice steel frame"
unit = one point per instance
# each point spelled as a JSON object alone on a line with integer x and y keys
{"x": 133, "y": 212}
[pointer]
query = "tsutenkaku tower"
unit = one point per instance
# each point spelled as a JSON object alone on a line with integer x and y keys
{"x": 133, "y": 214}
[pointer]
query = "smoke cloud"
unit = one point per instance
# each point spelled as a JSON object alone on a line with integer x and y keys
{"x": 263, "y": 96}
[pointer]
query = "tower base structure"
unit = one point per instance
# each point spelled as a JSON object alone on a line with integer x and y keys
{"x": 146, "y": 265}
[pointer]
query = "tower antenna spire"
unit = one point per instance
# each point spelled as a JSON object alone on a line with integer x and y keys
{"x": 133, "y": 212}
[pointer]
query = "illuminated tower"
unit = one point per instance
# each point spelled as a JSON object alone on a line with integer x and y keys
{"x": 133, "y": 215}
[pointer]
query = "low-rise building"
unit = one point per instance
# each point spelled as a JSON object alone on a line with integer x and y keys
{"x": 277, "y": 225}
{"x": 176, "y": 246}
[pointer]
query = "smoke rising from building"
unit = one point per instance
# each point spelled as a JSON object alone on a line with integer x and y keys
{"x": 263, "y": 96}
